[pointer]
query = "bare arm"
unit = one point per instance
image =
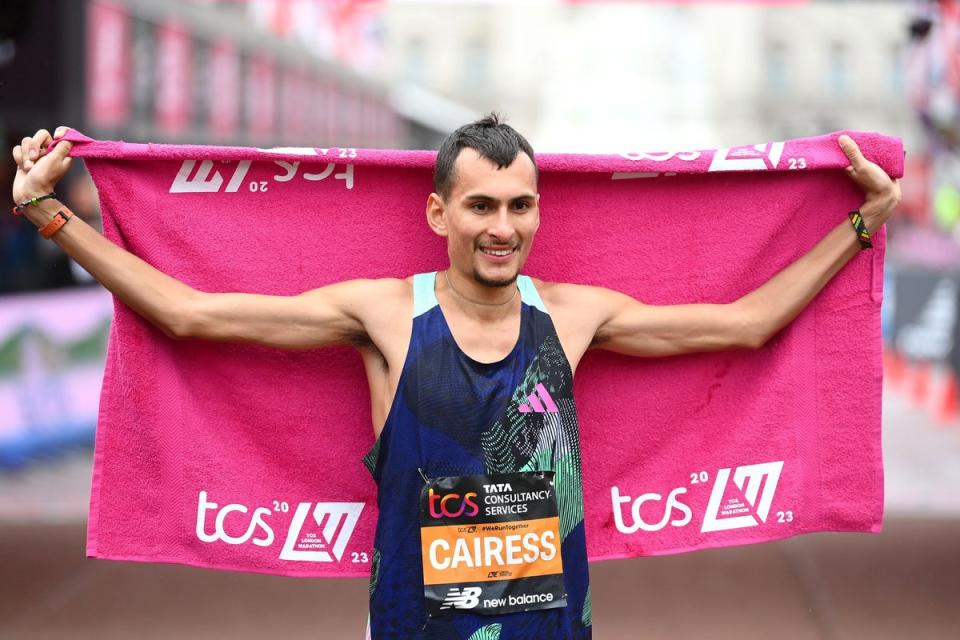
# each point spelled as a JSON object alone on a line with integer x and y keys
{"x": 625, "y": 325}
{"x": 330, "y": 314}
{"x": 773, "y": 305}
{"x": 335, "y": 314}
{"x": 151, "y": 293}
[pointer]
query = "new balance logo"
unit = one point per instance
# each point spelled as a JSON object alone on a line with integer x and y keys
{"x": 335, "y": 521}
{"x": 466, "y": 598}
{"x": 748, "y": 502}
{"x": 533, "y": 404}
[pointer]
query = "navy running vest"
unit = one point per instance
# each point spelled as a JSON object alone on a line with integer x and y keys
{"x": 453, "y": 416}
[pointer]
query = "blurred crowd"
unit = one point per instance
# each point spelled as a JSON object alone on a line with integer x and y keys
{"x": 27, "y": 261}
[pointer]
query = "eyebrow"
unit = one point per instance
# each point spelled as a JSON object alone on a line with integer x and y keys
{"x": 482, "y": 196}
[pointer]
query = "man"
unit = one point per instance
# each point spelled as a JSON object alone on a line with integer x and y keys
{"x": 445, "y": 356}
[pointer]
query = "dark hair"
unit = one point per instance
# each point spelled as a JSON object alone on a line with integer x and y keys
{"x": 492, "y": 139}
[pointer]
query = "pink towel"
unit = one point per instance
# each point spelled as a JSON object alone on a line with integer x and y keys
{"x": 249, "y": 458}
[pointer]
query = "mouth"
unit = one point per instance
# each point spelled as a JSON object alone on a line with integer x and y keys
{"x": 498, "y": 253}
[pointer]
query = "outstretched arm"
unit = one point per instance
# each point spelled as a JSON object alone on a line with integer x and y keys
{"x": 773, "y": 305}
{"x": 328, "y": 315}
{"x": 625, "y": 325}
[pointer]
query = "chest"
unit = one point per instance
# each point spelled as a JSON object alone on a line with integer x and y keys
{"x": 484, "y": 342}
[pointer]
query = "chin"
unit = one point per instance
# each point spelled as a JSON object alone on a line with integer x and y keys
{"x": 500, "y": 278}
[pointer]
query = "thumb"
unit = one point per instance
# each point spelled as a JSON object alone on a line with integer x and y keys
{"x": 61, "y": 151}
{"x": 61, "y": 155}
{"x": 852, "y": 151}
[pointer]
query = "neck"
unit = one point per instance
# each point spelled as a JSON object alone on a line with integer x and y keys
{"x": 478, "y": 301}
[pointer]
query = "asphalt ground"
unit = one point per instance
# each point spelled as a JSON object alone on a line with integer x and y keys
{"x": 901, "y": 583}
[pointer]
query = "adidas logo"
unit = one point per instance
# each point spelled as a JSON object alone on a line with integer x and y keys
{"x": 533, "y": 404}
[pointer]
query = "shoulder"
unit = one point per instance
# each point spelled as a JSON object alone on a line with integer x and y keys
{"x": 379, "y": 305}
{"x": 385, "y": 293}
{"x": 570, "y": 297}
{"x": 376, "y": 287}
{"x": 579, "y": 311}
{"x": 368, "y": 298}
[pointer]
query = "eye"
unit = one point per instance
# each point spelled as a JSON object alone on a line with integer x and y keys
{"x": 481, "y": 206}
{"x": 522, "y": 205}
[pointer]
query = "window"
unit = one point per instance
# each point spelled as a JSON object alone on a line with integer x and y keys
{"x": 837, "y": 71}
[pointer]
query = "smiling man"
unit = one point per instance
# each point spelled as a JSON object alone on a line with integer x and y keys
{"x": 477, "y": 451}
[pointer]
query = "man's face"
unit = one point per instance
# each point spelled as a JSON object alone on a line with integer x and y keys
{"x": 489, "y": 210}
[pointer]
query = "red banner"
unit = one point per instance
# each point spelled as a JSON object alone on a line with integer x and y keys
{"x": 295, "y": 102}
{"x": 174, "y": 78}
{"x": 108, "y": 64}
{"x": 224, "y": 97}
{"x": 260, "y": 99}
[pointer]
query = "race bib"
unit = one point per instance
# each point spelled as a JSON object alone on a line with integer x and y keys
{"x": 491, "y": 543}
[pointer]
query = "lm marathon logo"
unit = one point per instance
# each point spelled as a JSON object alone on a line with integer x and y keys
{"x": 735, "y": 503}
{"x": 317, "y": 532}
{"x": 202, "y": 176}
{"x": 756, "y": 157}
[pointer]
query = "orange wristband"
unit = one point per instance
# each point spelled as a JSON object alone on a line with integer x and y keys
{"x": 58, "y": 221}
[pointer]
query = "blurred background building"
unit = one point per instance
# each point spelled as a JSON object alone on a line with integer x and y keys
{"x": 573, "y": 76}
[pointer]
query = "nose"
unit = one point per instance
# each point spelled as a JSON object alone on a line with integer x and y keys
{"x": 501, "y": 226}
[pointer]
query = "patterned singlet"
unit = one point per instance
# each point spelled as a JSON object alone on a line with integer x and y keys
{"x": 452, "y": 416}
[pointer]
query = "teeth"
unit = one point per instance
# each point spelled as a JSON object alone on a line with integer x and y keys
{"x": 498, "y": 252}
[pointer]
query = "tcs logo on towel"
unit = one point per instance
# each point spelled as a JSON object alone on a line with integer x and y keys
{"x": 317, "y": 532}
{"x": 743, "y": 503}
{"x": 756, "y": 157}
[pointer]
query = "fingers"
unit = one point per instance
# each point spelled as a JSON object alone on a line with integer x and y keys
{"x": 33, "y": 148}
{"x": 20, "y": 154}
{"x": 61, "y": 153}
{"x": 59, "y": 132}
{"x": 42, "y": 137}
{"x": 852, "y": 152}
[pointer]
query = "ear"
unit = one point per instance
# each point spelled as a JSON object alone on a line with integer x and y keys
{"x": 437, "y": 214}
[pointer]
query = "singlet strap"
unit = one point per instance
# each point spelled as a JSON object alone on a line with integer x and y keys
{"x": 424, "y": 298}
{"x": 528, "y": 292}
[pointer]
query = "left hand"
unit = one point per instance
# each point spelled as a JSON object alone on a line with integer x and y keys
{"x": 882, "y": 193}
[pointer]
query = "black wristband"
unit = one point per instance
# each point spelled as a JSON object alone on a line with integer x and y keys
{"x": 32, "y": 201}
{"x": 856, "y": 219}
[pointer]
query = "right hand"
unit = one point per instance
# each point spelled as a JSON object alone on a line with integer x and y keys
{"x": 40, "y": 167}
{"x": 881, "y": 192}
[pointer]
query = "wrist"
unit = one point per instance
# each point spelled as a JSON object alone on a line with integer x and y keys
{"x": 42, "y": 213}
{"x": 875, "y": 212}
{"x": 32, "y": 192}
